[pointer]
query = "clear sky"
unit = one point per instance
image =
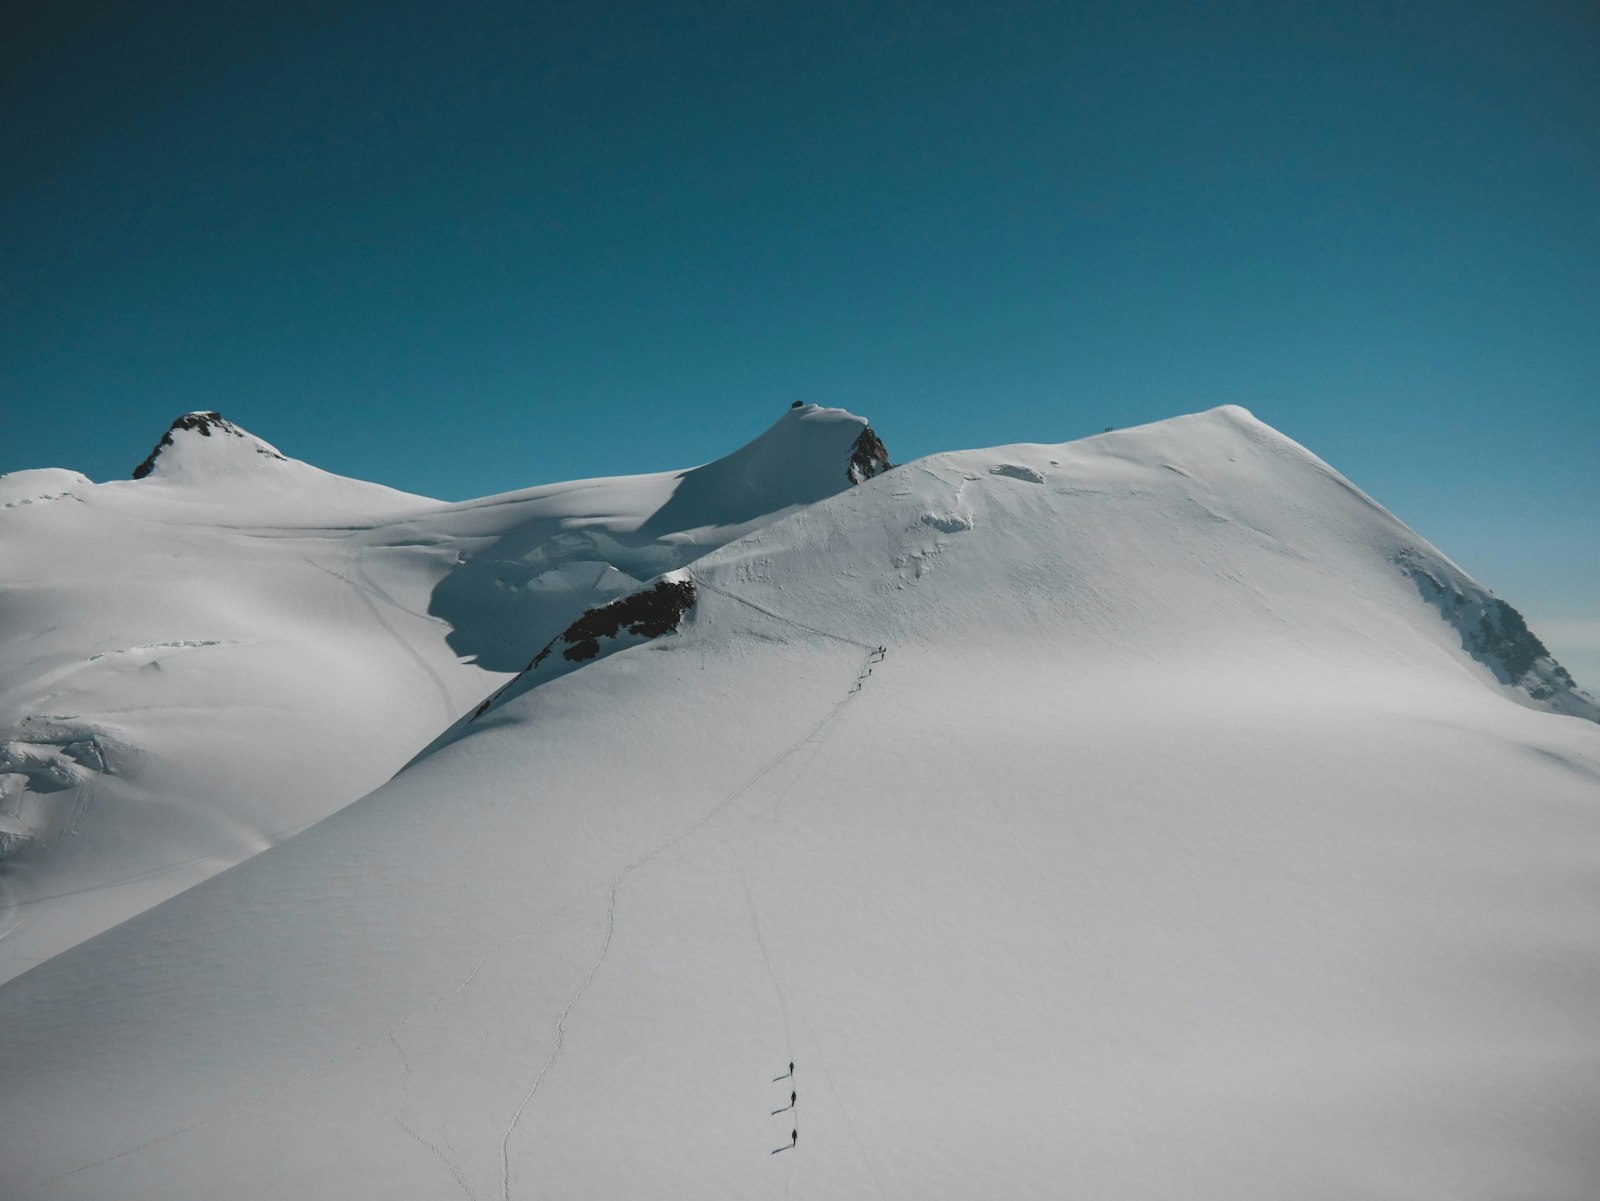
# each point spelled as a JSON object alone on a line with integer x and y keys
{"x": 460, "y": 248}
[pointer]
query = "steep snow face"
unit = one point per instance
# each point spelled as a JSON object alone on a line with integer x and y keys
{"x": 1106, "y": 819}
{"x": 197, "y": 663}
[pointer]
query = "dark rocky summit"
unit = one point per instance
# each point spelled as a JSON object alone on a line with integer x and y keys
{"x": 202, "y": 424}
{"x": 868, "y": 457}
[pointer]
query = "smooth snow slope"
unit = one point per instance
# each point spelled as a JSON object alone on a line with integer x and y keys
{"x": 1174, "y": 846}
{"x": 200, "y": 661}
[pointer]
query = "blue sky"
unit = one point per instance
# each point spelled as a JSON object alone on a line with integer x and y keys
{"x": 462, "y": 248}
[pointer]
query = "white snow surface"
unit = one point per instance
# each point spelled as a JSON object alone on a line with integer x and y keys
{"x": 199, "y": 663}
{"x": 1172, "y": 845}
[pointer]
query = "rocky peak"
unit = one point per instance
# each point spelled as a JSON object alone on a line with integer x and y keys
{"x": 868, "y": 457}
{"x": 201, "y": 425}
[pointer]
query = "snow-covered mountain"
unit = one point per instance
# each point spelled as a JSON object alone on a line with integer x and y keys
{"x": 1149, "y": 816}
{"x": 200, "y": 661}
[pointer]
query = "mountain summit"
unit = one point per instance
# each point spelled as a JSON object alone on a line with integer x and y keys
{"x": 560, "y": 548}
{"x": 202, "y": 443}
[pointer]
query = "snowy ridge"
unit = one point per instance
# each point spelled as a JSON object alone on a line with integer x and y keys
{"x": 533, "y": 560}
{"x": 267, "y": 641}
{"x": 1045, "y": 805}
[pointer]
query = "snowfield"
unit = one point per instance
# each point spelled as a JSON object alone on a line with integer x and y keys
{"x": 201, "y": 661}
{"x": 1149, "y": 816}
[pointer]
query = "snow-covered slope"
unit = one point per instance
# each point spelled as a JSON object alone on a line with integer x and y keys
{"x": 1114, "y": 819}
{"x": 202, "y": 660}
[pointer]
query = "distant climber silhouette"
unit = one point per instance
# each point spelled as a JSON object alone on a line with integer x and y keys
{"x": 785, "y": 1076}
{"x": 786, "y": 1108}
{"x": 794, "y": 1137}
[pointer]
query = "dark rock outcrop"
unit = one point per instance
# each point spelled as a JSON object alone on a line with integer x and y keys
{"x": 651, "y": 613}
{"x": 1496, "y": 635}
{"x": 868, "y": 457}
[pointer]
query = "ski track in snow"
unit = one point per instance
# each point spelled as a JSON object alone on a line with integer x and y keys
{"x": 82, "y": 802}
{"x": 800, "y": 625}
{"x": 783, "y": 1005}
{"x": 332, "y": 1061}
{"x": 844, "y": 1112}
{"x": 875, "y": 654}
{"x": 405, "y": 1095}
{"x": 366, "y": 596}
{"x": 358, "y": 561}
{"x": 826, "y": 728}
{"x": 561, "y": 1034}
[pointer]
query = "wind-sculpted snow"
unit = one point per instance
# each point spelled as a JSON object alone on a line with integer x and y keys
{"x": 1134, "y": 829}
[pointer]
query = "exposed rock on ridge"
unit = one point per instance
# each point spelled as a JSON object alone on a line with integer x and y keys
{"x": 868, "y": 457}
{"x": 202, "y": 423}
{"x": 575, "y": 549}
{"x": 1496, "y": 635}
{"x": 649, "y": 614}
